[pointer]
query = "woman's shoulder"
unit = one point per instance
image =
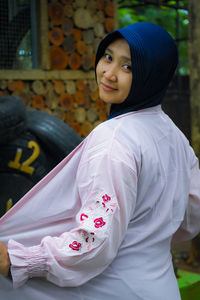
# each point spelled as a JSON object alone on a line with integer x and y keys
{"x": 101, "y": 136}
{"x": 113, "y": 138}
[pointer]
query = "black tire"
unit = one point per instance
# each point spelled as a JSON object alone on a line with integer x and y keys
{"x": 15, "y": 173}
{"x": 55, "y": 135}
{"x": 25, "y": 156}
{"x": 12, "y": 188}
{"x": 12, "y": 117}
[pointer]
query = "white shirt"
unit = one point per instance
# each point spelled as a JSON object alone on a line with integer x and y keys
{"x": 99, "y": 226}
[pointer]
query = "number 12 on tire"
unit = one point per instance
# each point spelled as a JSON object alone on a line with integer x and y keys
{"x": 25, "y": 165}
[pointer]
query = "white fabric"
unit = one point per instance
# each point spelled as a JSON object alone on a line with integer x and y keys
{"x": 99, "y": 226}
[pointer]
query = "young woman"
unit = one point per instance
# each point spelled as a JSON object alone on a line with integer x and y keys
{"x": 99, "y": 226}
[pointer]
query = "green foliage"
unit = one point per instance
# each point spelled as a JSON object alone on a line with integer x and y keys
{"x": 165, "y": 17}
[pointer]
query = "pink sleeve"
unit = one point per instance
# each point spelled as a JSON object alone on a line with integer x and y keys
{"x": 107, "y": 187}
{"x": 190, "y": 226}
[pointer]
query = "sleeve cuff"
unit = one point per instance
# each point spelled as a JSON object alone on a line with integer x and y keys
{"x": 26, "y": 262}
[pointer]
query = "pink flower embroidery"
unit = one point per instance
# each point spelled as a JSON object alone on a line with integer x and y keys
{"x": 75, "y": 246}
{"x": 106, "y": 198}
{"x": 83, "y": 216}
{"x": 99, "y": 222}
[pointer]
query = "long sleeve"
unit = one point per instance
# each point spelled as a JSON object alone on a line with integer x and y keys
{"x": 190, "y": 226}
{"x": 107, "y": 187}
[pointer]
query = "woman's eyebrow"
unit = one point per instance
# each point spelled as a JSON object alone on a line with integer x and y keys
{"x": 108, "y": 49}
{"x": 123, "y": 57}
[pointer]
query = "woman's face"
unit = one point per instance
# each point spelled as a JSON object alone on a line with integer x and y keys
{"x": 114, "y": 72}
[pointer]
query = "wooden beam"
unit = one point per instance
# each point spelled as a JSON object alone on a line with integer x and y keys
{"x": 194, "y": 63}
{"x": 116, "y": 19}
{"x": 43, "y": 40}
{"x": 45, "y": 75}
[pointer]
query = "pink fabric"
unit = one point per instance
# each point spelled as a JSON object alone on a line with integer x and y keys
{"x": 100, "y": 215}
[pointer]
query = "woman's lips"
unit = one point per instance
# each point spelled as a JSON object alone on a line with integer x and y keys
{"x": 107, "y": 88}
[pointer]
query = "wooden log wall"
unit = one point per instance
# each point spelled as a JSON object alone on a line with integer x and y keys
{"x": 75, "y": 28}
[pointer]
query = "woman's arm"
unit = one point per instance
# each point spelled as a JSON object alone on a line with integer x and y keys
{"x": 190, "y": 226}
{"x": 4, "y": 260}
{"x": 107, "y": 187}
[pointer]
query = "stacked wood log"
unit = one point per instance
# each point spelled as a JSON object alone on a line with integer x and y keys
{"x": 76, "y": 102}
{"x": 75, "y": 29}
{"x": 75, "y": 26}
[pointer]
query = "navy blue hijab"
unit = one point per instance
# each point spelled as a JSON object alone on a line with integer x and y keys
{"x": 154, "y": 60}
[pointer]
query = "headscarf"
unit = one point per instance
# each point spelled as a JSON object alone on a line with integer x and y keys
{"x": 154, "y": 60}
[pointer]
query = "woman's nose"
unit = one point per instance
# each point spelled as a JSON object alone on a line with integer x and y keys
{"x": 110, "y": 73}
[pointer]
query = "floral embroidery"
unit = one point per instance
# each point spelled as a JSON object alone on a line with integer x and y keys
{"x": 88, "y": 247}
{"x": 99, "y": 222}
{"x": 88, "y": 238}
{"x": 106, "y": 198}
{"x": 95, "y": 220}
{"x": 75, "y": 246}
{"x": 83, "y": 216}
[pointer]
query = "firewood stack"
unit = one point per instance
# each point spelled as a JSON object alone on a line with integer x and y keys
{"x": 75, "y": 28}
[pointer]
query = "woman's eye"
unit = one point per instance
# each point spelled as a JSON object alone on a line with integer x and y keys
{"x": 108, "y": 57}
{"x": 127, "y": 67}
